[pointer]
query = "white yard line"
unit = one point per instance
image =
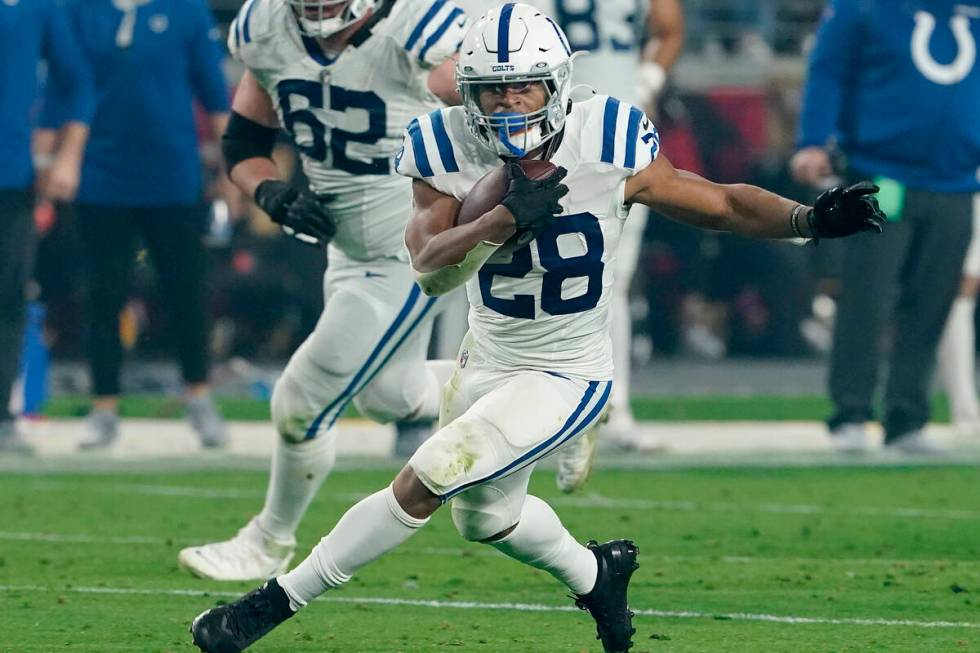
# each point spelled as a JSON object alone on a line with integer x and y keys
{"x": 584, "y": 501}
{"x": 517, "y": 607}
{"x": 79, "y": 538}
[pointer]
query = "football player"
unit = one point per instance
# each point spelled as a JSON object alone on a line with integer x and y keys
{"x": 536, "y": 366}
{"x": 615, "y": 62}
{"x": 343, "y": 78}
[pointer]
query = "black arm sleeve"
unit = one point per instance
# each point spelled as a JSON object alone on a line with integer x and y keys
{"x": 246, "y": 139}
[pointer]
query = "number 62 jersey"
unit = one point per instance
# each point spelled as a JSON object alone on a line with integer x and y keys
{"x": 346, "y": 113}
{"x": 546, "y": 307}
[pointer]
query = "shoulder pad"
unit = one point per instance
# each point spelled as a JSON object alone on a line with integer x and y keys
{"x": 617, "y": 133}
{"x": 429, "y": 150}
{"x": 256, "y": 21}
{"x": 431, "y": 31}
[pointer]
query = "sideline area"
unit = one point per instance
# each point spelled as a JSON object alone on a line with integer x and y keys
{"x": 360, "y": 442}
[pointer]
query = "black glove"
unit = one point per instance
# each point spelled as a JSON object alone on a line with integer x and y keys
{"x": 534, "y": 202}
{"x": 840, "y": 212}
{"x": 302, "y": 215}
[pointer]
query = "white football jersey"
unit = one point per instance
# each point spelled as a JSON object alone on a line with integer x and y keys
{"x": 547, "y": 306}
{"x": 346, "y": 113}
{"x": 608, "y": 33}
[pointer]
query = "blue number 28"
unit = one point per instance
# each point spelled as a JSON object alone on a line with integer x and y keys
{"x": 557, "y": 270}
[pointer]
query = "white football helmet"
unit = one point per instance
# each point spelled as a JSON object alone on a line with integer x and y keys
{"x": 515, "y": 44}
{"x": 314, "y": 21}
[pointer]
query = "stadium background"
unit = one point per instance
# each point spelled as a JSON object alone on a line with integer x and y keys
{"x": 729, "y": 113}
{"x": 753, "y": 533}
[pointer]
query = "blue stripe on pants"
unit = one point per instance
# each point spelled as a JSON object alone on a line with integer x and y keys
{"x": 340, "y": 399}
{"x": 552, "y": 442}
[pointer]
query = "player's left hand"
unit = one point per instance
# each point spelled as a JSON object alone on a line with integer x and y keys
{"x": 534, "y": 203}
{"x": 841, "y": 212}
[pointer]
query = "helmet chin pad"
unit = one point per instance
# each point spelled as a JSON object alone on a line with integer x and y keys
{"x": 507, "y": 125}
{"x": 322, "y": 26}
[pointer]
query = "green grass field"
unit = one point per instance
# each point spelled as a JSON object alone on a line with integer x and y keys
{"x": 663, "y": 408}
{"x": 733, "y": 560}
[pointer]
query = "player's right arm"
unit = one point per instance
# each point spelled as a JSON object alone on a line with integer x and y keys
{"x": 443, "y": 255}
{"x": 247, "y": 146}
{"x": 250, "y": 137}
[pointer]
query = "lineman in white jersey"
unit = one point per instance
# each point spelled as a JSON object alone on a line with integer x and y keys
{"x": 535, "y": 371}
{"x": 343, "y": 78}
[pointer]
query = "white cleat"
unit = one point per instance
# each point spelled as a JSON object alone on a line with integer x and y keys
{"x": 852, "y": 438}
{"x": 575, "y": 460}
{"x": 251, "y": 555}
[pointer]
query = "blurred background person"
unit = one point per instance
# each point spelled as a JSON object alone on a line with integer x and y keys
{"x": 898, "y": 89}
{"x": 141, "y": 182}
{"x": 958, "y": 348}
{"x": 32, "y": 31}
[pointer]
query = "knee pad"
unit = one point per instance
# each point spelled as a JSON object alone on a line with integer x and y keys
{"x": 456, "y": 454}
{"x": 482, "y": 513}
{"x": 387, "y": 400}
{"x": 292, "y": 415}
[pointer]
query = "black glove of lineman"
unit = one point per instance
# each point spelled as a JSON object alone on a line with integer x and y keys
{"x": 534, "y": 202}
{"x": 840, "y": 212}
{"x": 302, "y": 215}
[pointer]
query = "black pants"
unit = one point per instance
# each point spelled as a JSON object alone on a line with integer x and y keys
{"x": 173, "y": 235}
{"x": 17, "y": 241}
{"x": 910, "y": 273}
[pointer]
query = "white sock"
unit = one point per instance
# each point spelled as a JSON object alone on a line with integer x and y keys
{"x": 540, "y": 540}
{"x": 368, "y": 530}
{"x": 957, "y": 361}
{"x": 298, "y": 471}
{"x": 438, "y": 373}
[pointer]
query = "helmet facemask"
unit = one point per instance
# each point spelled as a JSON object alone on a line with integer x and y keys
{"x": 316, "y": 17}
{"x": 511, "y": 133}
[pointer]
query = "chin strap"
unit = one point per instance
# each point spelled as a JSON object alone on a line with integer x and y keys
{"x": 513, "y": 149}
{"x": 365, "y": 32}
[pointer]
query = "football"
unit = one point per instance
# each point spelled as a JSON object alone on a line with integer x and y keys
{"x": 488, "y": 192}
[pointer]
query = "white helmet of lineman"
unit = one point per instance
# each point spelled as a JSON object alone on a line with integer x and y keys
{"x": 515, "y": 44}
{"x": 317, "y": 18}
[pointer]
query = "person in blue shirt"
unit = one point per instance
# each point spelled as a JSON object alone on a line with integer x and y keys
{"x": 142, "y": 181}
{"x": 32, "y": 31}
{"x": 895, "y": 86}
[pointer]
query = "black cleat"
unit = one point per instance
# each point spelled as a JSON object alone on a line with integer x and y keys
{"x": 234, "y": 627}
{"x": 607, "y": 600}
